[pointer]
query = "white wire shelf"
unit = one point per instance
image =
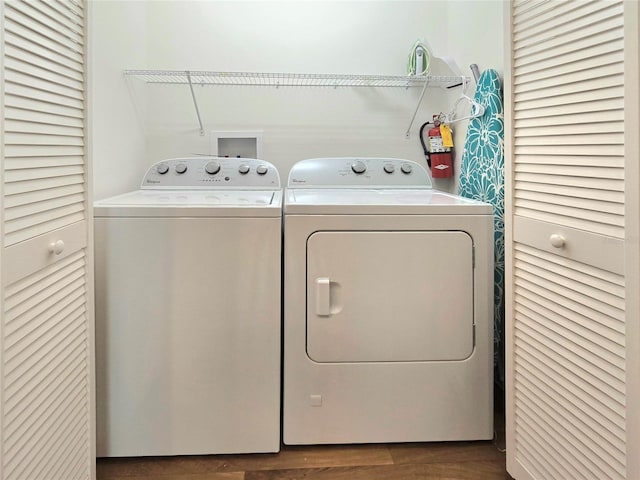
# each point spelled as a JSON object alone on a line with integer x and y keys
{"x": 255, "y": 79}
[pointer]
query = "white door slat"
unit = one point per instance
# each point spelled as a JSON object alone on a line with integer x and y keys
{"x": 600, "y": 139}
{"x": 572, "y": 57}
{"x": 538, "y": 373}
{"x": 559, "y": 294}
{"x": 530, "y": 10}
{"x": 569, "y": 119}
{"x": 64, "y": 21}
{"x": 13, "y": 225}
{"x": 26, "y": 139}
{"x": 598, "y": 290}
{"x": 44, "y": 29}
{"x": 605, "y": 342}
{"x": 17, "y": 61}
{"x": 585, "y": 454}
{"x": 604, "y": 368}
{"x": 45, "y": 206}
{"x": 603, "y": 185}
{"x": 25, "y": 108}
{"x": 606, "y": 196}
{"x": 32, "y": 318}
{"x": 600, "y": 29}
{"x": 594, "y": 217}
{"x": 29, "y": 42}
{"x": 605, "y": 99}
{"x": 603, "y": 171}
{"x": 27, "y": 174}
{"x": 592, "y": 412}
{"x": 599, "y": 78}
{"x": 33, "y": 117}
{"x": 542, "y": 109}
{"x": 21, "y": 296}
{"x": 34, "y": 196}
{"x": 71, "y": 89}
{"x": 546, "y": 360}
{"x": 606, "y": 64}
{"x": 579, "y": 204}
{"x": 40, "y": 162}
{"x": 28, "y": 92}
{"x": 575, "y": 19}
{"x": 43, "y": 151}
{"x": 41, "y": 184}
{"x": 31, "y": 127}
{"x": 577, "y": 150}
{"x": 71, "y": 10}
{"x": 543, "y": 129}
{"x": 575, "y": 161}
{"x": 526, "y": 8}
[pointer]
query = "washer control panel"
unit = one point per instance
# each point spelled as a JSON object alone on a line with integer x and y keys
{"x": 358, "y": 172}
{"x": 212, "y": 172}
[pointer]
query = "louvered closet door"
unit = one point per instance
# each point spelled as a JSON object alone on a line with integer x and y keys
{"x": 46, "y": 424}
{"x": 567, "y": 319}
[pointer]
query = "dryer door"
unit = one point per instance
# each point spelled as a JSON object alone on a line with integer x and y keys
{"x": 386, "y": 296}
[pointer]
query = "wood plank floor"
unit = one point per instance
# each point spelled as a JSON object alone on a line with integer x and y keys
{"x": 428, "y": 461}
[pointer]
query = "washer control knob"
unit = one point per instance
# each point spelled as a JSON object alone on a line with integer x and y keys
{"x": 262, "y": 169}
{"x": 389, "y": 168}
{"x": 358, "y": 167}
{"x": 406, "y": 168}
{"x": 162, "y": 168}
{"x": 212, "y": 168}
{"x": 181, "y": 168}
{"x": 243, "y": 169}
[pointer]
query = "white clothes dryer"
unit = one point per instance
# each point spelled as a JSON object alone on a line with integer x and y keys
{"x": 188, "y": 311}
{"x": 388, "y": 290}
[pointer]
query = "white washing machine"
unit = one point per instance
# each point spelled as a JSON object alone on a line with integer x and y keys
{"x": 188, "y": 311}
{"x": 388, "y": 290}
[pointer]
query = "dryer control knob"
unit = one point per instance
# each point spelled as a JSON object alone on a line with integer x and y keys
{"x": 243, "y": 169}
{"x": 181, "y": 168}
{"x": 389, "y": 168}
{"x": 262, "y": 169}
{"x": 358, "y": 167}
{"x": 212, "y": 168}
{"x": 162, "y": 168}
{"x": 406, "y": 168}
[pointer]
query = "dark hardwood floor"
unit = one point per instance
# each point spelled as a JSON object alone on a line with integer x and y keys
{"x": 428, "y": 461}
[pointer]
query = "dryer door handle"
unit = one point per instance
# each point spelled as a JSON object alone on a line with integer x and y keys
{"x": 323, "y": 296}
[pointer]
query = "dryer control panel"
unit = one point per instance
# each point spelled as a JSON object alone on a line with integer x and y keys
{"x": 355, "y": 172}
{"x": 212, "y": 173}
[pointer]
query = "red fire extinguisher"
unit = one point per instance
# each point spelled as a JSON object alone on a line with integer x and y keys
{"x": 440, "y": 150}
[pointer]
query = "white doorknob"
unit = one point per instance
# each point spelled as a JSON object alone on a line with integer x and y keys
{"x": 56, "y": 247}
{"x": 557, "y": 240}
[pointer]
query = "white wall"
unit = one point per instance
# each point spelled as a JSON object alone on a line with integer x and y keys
{"x": 476, "y": 35}
{"x": 117, "y": 31}
{"x": 274, "y": 36}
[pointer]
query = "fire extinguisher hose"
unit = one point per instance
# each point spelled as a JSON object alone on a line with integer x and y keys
{"x": 424, "y": 146}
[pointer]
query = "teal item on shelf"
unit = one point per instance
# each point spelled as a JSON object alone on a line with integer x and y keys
{"x": 482, "y": 178}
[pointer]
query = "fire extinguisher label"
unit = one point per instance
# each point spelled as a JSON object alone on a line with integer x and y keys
{"x": 435, "y": 145}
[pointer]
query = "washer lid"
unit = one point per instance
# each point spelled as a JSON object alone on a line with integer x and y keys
{"x": 192, "y": 203}
{"x": 342, "y": 201}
